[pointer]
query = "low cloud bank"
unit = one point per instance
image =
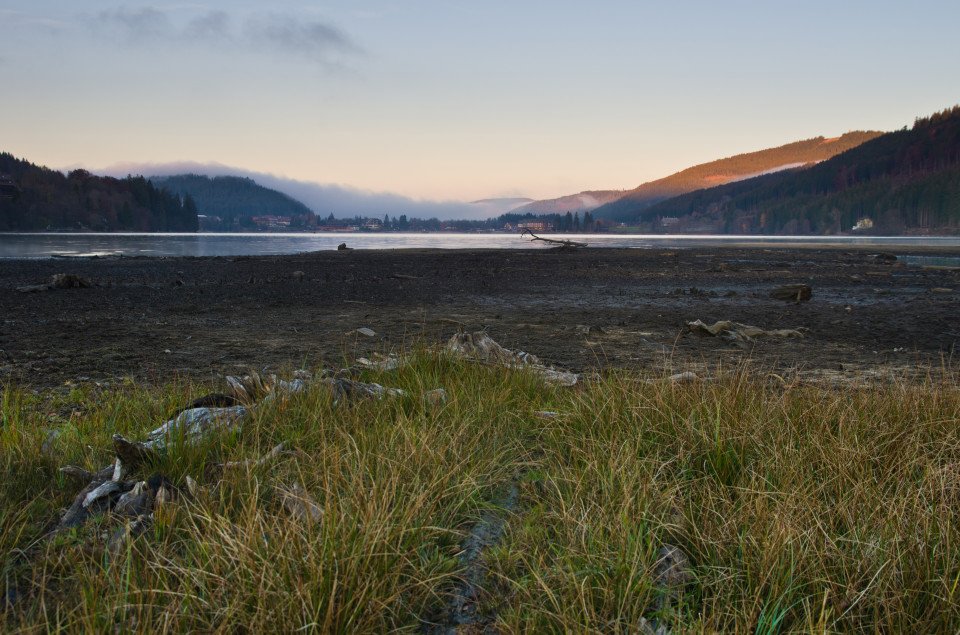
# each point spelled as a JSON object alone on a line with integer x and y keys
{"x": 325, "y": 199}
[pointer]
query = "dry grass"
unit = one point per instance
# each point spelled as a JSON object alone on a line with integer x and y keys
{"x": 800, "y": 509}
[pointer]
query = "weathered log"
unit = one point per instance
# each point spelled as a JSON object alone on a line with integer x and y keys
{"x": 132, "y": 453}
{"x": 213, "y": 400}
{"x": 564, "y": 244}
{"x": 481, "y": 347}
{"x": 86, "y": 476}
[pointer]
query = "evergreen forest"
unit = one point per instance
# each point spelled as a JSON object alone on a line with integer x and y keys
{"x": 231, "y": 202}
{"x": 41, "y": 199}
{"x": 907, "y": 181}
{"x": 736, "y": 168}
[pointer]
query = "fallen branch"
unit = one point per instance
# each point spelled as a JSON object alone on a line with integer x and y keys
{"x": 250, "y": 463}
{"x": 567, "y": 244}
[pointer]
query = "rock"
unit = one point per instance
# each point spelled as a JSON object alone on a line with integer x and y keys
{"x": 646, "y": 627}
{"x": 11, "y": 599}
{"x": 366, "y": 332}
{"x": 884, "y": 257}
{"x": 300, "y": 505}
{"x": 298, "y": 276}
{"x": 435, "y": 398}
{"x": 58, "y": 281}
{"x": 672, "y": 574}
{"x": 47, "y": 446}
{"x": 792, "y": 293}
{"x": 69, "y": 281}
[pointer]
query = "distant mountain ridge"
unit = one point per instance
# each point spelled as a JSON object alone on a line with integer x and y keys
{"x": 903, "y": 181}
{"x": 492, "y": 207}
{"x": 231, "y": 196}
{"x": 581, "y": 202}
{"x": 736, "y": 168}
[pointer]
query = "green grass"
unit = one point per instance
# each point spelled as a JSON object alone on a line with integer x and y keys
{"x": 801, "y": 509}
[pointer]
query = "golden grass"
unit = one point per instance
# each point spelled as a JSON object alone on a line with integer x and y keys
{"x": 800, "y": 509}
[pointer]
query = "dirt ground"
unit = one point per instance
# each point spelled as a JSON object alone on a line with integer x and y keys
{"x": 202, "y": 318}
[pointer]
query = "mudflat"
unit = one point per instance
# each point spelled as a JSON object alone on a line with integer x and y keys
{"x": 155, "y": 319}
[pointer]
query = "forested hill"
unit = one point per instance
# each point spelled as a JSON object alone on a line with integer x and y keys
{"x": 906, "y": 181}
{"x": 629, "y": 206}
{"x": 232, "y": 197}
{"x": 36, "y": 198}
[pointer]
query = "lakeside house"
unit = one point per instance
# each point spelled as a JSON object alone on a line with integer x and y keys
{"x": 8, "y": 187}
{"x": 271, "y": 222}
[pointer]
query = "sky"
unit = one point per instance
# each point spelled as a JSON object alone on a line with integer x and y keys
{"x": 449, "y": 100}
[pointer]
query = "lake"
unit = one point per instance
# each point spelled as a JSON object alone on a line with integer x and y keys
{"x": 171, "y": 245}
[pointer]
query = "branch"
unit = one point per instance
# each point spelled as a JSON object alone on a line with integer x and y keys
{"x": 568, "y": 244}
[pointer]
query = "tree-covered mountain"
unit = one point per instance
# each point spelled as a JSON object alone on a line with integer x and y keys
{"x": 233, "y": 199}
{"x": 38, "y": 198}
{"x": 905, "y": 181}
{"x": 629, "y": 206}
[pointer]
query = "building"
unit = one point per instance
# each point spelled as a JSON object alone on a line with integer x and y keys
{"x": 271, "y": 222}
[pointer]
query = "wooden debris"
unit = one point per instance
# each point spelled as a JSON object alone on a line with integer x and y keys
{"x": 83, "y": 475}
{"x": 481, "y": 347}
{"x": 251, "y": 463}
{"x": 737, "y": 332}
{"x": 792, "y": 293}
{"x": 563, "y": 244}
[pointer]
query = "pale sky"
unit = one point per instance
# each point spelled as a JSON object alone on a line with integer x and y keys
{"x": 461, "y": 100}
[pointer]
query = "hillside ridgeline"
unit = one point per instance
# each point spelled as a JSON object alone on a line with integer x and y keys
{"x": 907, "y": 181}
{"x": 628, "y": 207}
{"x": 231, "y": 202}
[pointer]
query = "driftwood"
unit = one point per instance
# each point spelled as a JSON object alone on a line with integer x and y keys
{"x": 737, "y": 332}
{"x": 792, "y": 293}
{"x": 250, "y": 463}
{"x": 564, "y": 244}
{"x": 58, "y": 281}
{"x": 482, "y": 348}
{"x": 109, "y": 490}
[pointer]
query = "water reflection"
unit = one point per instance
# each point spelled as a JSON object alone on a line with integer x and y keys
{"x": 173, "y": 245}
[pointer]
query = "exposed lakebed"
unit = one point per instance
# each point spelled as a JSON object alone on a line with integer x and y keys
{"x": 586, "y": 309}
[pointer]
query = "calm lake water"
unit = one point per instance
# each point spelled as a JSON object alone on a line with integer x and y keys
{"x": 85, "y": 245}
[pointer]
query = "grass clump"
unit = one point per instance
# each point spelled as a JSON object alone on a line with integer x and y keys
{"x": 798, "y": 509}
